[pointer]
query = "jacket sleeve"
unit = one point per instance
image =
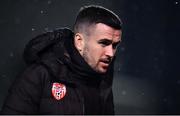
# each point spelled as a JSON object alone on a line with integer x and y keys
{"x": 25, "y": 93}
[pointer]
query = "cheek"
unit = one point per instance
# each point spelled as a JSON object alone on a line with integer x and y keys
{"x": 94, "y": 51}
{"x": 97, "y": 53}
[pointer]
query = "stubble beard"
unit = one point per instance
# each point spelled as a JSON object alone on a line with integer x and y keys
{"x": 88, "y": 61}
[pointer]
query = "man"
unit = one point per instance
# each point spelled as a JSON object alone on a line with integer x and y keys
{"x": 69, "y": 72}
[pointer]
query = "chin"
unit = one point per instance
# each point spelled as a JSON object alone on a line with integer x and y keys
{"x": 102, "y": 71}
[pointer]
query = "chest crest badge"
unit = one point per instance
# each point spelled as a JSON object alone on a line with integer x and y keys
{"x": 58, "y": 90}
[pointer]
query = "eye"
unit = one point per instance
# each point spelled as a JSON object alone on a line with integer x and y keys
{"x": 104, "y": 43}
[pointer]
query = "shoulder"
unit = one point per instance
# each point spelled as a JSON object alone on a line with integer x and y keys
{"x": 35, "y": 70}
{"x": 34, "y": 75}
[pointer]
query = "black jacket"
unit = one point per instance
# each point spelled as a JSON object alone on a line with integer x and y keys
{"x": 52, "y": 58}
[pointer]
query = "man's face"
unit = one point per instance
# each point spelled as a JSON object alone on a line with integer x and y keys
{"x": 99, "y": 46}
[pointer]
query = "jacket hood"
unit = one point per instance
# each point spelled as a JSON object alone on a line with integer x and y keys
{"x": 45, "y": 43}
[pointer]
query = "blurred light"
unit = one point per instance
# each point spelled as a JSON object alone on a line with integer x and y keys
{"x": 32, "y": 29}
{"x": 11, "y": 54}
{"x": 49, "y": 2}
{"x": 124, "y": 92}
{"x": 41, "y": 11}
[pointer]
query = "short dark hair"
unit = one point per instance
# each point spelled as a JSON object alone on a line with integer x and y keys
{"x": 94, "y": 14}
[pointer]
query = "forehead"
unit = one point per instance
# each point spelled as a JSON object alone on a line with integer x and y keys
{"x": 102, "y": 31}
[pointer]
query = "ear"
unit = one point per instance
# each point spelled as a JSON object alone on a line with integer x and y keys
{"x": 79, "y": 42}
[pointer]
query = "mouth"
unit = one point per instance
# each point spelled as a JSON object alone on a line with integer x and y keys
{"x": 104, "y": 64}
{"x": 105, "y": 61}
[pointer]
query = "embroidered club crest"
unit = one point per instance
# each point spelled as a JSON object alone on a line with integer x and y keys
{"x": 58, "y": 90}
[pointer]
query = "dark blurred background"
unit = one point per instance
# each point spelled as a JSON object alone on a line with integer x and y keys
{"x": 146, "y": 71}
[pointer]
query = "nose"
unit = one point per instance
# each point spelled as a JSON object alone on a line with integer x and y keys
{"x": 109, "y": 51}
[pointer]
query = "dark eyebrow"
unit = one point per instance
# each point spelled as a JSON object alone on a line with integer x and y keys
{"x": 105, "y": 40}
